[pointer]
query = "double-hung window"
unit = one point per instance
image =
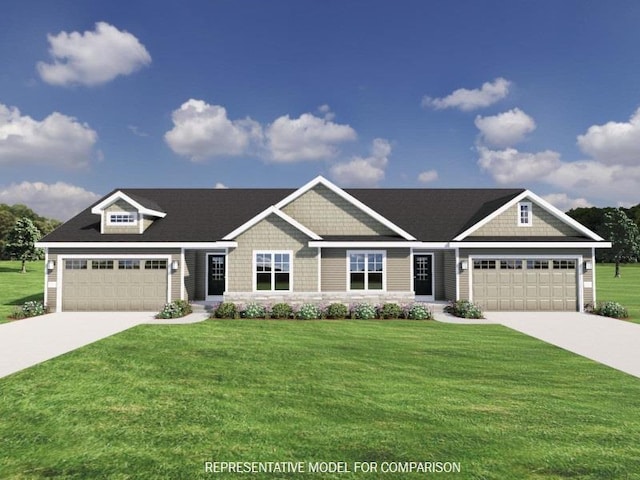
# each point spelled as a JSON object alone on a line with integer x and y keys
{"x": 366, "y": 270}
{"x": 272, "y": 271}
{"x": 524, "y": 214}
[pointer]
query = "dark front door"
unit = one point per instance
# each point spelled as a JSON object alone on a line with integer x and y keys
{"x": 215, "y": 275}
{"x": 423, "y": 274}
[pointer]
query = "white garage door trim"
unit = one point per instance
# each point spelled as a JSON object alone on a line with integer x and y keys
{"x": 577, "y": 258}
{"x": 63, "y": 257}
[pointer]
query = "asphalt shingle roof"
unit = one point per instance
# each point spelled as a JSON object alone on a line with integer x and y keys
{"x": 206, "y": 215}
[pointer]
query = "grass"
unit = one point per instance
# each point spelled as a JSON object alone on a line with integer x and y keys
{"x": 159, "y": 401}
{"x": 624, "y": 290}
{"x": 17, "y": 288}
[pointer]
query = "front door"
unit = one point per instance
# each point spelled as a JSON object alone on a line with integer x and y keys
{"x": 423, "y": 275}
{"x": 215, "y": 275}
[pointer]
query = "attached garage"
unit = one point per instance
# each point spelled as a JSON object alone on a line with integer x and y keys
{"x": 529, "y": 284}
{"x": 112, "y": 284}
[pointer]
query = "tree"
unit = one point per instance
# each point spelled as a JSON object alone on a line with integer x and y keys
{"x": 21, "y": 241}
{"x": 624, "y": 236}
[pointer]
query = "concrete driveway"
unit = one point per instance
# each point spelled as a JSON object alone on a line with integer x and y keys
{"x": 615, "y": 343}
{"x": 24, "y": 343}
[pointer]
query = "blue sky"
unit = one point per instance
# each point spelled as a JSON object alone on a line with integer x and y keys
{"x": 99, "y": 95}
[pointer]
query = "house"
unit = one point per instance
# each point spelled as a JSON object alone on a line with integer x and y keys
{"x": 504, "y": 249}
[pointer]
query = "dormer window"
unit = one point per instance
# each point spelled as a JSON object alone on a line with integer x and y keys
{"x": 524, "y": 214}
{"x": 122, "y": 218}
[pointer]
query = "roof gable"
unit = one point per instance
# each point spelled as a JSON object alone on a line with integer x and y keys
{"x": 535, "y": 199}
{"x": 264, "y": 214}
{"x": 141, "y": 204}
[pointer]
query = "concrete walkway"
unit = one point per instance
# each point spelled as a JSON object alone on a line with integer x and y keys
{"x": 24, "y": 343}
{"x": 615, "y": 343}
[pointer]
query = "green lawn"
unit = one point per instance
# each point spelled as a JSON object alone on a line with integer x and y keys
{"x": 17, "y": 288}
{"x": 159, "y": 401}
{"x": 625, "y": 290}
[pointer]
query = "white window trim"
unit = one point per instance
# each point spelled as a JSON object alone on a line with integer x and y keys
{"x": 111, "y": 223}
{"x": 529, "y": 206}
{"x": 366, "y": 263}
{"x": 254, "y": 271}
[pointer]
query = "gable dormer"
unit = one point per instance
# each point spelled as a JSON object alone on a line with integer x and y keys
{"x": 120, "y": 213}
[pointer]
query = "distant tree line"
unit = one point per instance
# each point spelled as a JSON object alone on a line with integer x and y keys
{"x": 11, "y": 214}
{"x": 617, "y": 225}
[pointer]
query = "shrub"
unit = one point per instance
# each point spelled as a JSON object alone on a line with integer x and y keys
{"x": 419, "y": 311}
{"x": 225, "y": 310}
{"x": 390, "y": 310}
{"x": 611, "y": 309}
{"x": 364, "y": 311}
{"x": 281, "y": 310}
{"x": 464, "y": 309}
{"x": 33, "y": 309}
{"x": 253, "y": 310}
{"x": 175, "y": 309}
{"x": 309, "y": 311}
{"x": 337, "y": 310}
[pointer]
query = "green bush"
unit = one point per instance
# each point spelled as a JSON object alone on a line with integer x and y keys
{"x": 419, "y": 311}
{"x": 337, "y": 310}
{"x": 253, "y": 310}
{"x": 611, "y": 309}
{"x": 464, "y": 309}
{"x": 309, "y": 311}
{"x": 225, "y": 310}
{"x": 175, "y": 309}
{"x": 390, "y": 310}
{"x": 33, "y": 309}
{"x": 281, "y": 311}
{"x": 364, "y": 311}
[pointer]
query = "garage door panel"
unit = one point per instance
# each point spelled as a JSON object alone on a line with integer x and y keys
{"x": 538, "y": 285}
{"x": 115, "y": 289}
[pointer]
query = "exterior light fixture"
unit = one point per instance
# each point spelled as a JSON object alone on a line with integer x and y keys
{"x": 51, "y": 265}
{"x": 588, "y": 265}
{"x": 174, "y": 265}
{"x": 464, "y": 265}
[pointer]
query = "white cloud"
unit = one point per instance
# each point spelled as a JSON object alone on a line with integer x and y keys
{"x": 93, "y": 57}
{"x": 58, "y": 200}
{"x": 428, "y": 176}
{"x": 136, "y": 131}
{"x": 204, "y": 131}
{"x": 364, "y": 172}
{"x": 614, "y": 143}
{"x": 510, "y": 166}
{"x": 58, "y": 140}
{"x": 305, "y": 138}
{"x": 325, "y": 110}
{"x": 505, "y": 129}
{"x": 563, "y": 202}
{"x": 220, "y": 185}
{"x": 467, "y": 100}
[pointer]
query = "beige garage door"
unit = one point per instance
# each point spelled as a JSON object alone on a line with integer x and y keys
{"x": 114, "y": 284}
{"x": 525, "y": 284}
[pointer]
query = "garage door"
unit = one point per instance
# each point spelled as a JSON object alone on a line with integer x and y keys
{"x": 114, "y": 284}
{"x": 525, "y": 284}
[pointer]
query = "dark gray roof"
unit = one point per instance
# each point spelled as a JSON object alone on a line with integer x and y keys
{"x": 206, "y": 215}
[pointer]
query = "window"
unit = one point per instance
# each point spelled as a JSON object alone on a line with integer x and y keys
{"x": 129, "y": 264}
{"x": 273, "y": 270}
{"x": 75, "y": 264}
{"x": 537, "y": 264}
{"x": 155, "y": 265}
{"x": 524, "y": 214}
{"x": 484, "y": 264}
{"x": 564, "y": 264}
{"x": 102, "y": 264}
{"x": 510, "y": 264}
{"x": 123, "y": 218}
{"x": 366, "y": 270}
